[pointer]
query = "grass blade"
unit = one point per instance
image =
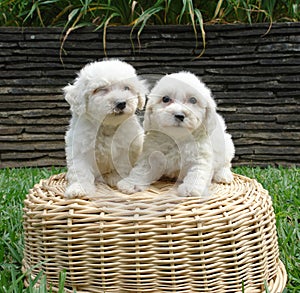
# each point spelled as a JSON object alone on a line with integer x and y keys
{"x": 200, "y": 20}
{"x": 266, "y": 287}
{"x": 104, "y": 31}
{"x": 15, "y": 251}
{"x": 218, "y": 8}
{"x": 144, "y": 18}
{"x": 62, "y": 280}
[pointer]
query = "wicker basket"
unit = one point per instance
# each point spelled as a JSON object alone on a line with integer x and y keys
{"x": 154, "y": 241}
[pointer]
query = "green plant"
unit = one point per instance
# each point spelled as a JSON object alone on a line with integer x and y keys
{"x": 253, "y": 11}
{"x": 100, "y": 14}
{"x": 171, "y": 12}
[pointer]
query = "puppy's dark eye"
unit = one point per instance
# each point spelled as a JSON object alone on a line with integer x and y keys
{"x": 193, "y": 100}
{"x": 126, "y": 88}
{"x": 166, "y": 99}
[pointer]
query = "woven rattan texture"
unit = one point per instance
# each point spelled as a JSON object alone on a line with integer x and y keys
{"x": 154, "y": 241}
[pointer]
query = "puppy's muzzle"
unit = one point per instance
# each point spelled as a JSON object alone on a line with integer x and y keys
{"x": 179, "y": 117}
{"x": 119, "y": 107}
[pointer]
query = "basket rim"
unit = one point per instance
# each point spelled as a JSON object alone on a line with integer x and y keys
{"x": 55, "y": 187}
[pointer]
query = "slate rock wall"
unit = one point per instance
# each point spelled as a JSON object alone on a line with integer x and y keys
{"x": 254, "y": 75}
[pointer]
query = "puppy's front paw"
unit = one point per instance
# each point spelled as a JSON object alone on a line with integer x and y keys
{"x": 127, "y": 187}
{"x": 112, "y": 180}
{"x": 223, "y": 175}
{"x": 188, "y": 190}
{"x": 76, "y": 189}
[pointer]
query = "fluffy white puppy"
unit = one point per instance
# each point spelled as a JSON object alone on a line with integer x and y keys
{"x": 105, "y": 137}
{"x": 185, "y": 138}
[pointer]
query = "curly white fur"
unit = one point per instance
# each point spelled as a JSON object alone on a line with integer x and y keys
{"x": 105, "y": 137}
{"x": 185, "y": 138}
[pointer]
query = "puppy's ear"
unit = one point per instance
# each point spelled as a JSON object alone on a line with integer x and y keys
{"x": 211, "y": 118}
{"x": 210, "y": 122}
{"x": 146, "y": 123}
{"x": 142, "y": 92}
{"x": 142, "y": 101}
{"x": 75, "y": 98}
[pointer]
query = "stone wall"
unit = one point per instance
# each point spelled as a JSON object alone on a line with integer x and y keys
{"x": 254, "y": 75}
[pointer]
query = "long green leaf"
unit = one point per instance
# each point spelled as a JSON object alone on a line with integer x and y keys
{"x": 62, "y": 280}
{"x": 183, "y": 10}
{"x": 31, "y": 12}
{"x": 143, "y": 19}
{"x": 105, "y": 30}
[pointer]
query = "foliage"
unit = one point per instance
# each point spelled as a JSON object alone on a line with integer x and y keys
{"x": 100, "y": 14}
{"x": 65, "y": 13}
{"x": 282, "y": 184}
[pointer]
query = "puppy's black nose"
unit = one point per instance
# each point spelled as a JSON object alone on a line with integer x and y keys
{"x": 121, "y": 105}
{"x": 179, "y": 117}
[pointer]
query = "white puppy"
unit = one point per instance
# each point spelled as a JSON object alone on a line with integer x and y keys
{"x": 105, "y": 137}
{"x": 185, "y": 138}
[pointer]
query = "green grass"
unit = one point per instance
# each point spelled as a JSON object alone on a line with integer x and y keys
{"x": 282, "y": 183}
{"x": 14, "y": 185}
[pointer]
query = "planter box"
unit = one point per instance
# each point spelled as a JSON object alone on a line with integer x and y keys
{"x": 254, "y": 76}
